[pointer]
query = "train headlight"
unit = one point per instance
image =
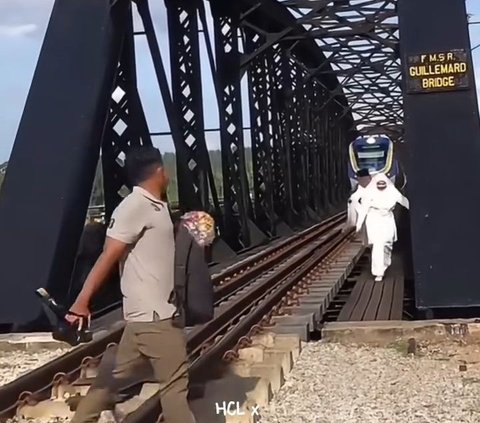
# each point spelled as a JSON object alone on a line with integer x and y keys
{"x": 371, "y": 140}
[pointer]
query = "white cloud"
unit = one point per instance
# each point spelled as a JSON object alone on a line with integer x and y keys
{"x": 17, "y": 30}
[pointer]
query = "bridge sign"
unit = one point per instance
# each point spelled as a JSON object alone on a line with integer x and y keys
{"x": 432, "y": 72}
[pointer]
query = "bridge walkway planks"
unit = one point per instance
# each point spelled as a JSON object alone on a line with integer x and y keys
{"x": 370, "y": 300}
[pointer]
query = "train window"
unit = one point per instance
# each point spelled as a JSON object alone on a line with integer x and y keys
{"x": 374, "y": 159}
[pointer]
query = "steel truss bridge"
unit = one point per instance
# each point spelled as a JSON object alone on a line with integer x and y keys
{"x": 319, "y": 72}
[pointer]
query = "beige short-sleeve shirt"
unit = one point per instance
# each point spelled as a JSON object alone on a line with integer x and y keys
{"x": 147, "y": 271}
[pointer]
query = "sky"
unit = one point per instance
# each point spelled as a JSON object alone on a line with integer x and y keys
{"x": 22, "y": 27}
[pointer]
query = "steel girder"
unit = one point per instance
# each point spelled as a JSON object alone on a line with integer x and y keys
{"x": 296, "y": 114}
{"x": 237, "y": 203}
{"x": 361, "y": 42}
{"x": 126, "y": 126}
{"x": 52, "y": 166}
{"x": 299, "y": 116}
{"x": 187, "y": 99}
{"x": 261, "y": 126}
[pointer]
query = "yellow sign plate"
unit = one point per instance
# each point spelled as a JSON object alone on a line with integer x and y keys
{"x": 433, "y": 72}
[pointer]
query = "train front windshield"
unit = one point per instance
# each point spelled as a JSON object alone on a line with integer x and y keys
{"x": 372, "y": 157}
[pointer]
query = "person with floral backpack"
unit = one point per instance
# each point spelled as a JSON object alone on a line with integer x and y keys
{"x": 193, "y": 288}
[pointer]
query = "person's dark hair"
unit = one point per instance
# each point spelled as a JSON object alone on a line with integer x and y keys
{"x": 141, "y": 162}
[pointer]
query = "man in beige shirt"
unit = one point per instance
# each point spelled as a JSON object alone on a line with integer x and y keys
{"x": 140, "y": 238}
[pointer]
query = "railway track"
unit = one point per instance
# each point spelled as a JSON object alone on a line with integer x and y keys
{"x": 247, "y": 296}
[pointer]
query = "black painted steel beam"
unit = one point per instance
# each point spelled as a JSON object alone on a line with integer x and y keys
{"x": 126, "y": 125}
{"x": 47, "y": 188}
{"x": 237, "y": 203}
{"x": 189, "y": 196}
{"x": 362, "y": 43}
{"x": 261, "y": 135}
{"x": 443, "y": 132}
{"x": 302, "y": 105}
{"x": 187, "y": 99}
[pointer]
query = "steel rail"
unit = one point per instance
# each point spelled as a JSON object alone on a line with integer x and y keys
{"x": 236, "y": 268}
{"x": 234, "y": 308}
{"x": 267, "y": 296}
{"x": 33, "y": 384}
{"x": 281, "y": 252}
{"x": 233, "y": 277}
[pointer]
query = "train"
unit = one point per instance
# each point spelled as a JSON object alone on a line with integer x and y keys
{"x": 375, "y": 153}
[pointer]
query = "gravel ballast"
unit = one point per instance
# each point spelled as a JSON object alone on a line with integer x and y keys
{"x": 331, "y": 383}
{"x": 14, "y": 364}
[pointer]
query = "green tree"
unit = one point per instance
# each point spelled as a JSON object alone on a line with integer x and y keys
{"x": 170, "y": 161}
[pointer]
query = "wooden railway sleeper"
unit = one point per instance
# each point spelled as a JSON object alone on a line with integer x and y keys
{"x": 292, "y": 274}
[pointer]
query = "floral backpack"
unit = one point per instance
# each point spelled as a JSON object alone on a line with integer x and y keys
{"x": 193, "y": 288}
